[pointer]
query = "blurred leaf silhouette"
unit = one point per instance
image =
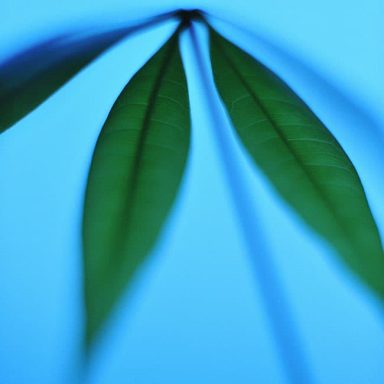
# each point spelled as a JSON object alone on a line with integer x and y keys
{"x": 30, "y": 77}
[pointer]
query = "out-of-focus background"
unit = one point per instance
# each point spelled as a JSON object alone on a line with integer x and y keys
{"x": 194, "y": 314}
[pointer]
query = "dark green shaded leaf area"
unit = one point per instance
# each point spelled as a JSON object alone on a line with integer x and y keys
{"x": 135, "y": 174}
{"x": 300, "y": 157}
{"x": 33, "y": 75}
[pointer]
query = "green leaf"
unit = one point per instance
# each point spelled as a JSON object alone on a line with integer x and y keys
{"x": 33, "y": 75}
{"x": 300, "y": 157}
{"x": 135, "y": 174}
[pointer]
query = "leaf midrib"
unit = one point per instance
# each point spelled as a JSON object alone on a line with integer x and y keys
{"x": 140, "y": 148}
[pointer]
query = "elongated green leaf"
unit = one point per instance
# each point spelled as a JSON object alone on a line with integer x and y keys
{"x": 301, "y": 158}
{"x": 33, "y": 75}
{"x": 136, "y": 170}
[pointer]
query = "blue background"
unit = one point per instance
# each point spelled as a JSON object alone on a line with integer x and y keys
{"x": 195, "y": 314}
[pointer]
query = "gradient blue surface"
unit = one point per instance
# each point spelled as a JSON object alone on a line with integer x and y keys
{"x": 195, "y": 315}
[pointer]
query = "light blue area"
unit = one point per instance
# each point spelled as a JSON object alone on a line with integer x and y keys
{"x": 196, "y": 314}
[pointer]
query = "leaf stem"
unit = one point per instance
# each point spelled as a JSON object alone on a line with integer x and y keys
{"x": 287, "y": 339}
